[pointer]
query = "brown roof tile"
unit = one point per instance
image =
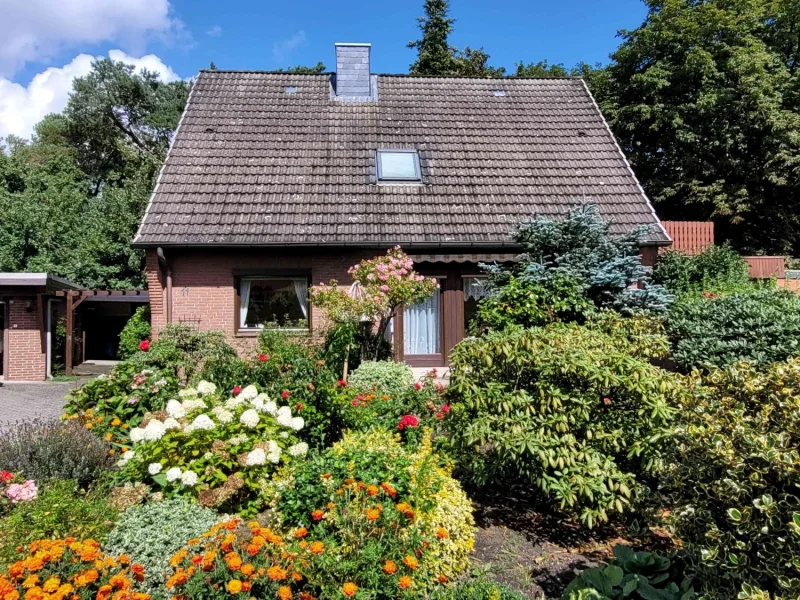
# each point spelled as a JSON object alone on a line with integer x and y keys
{"x": 253, "y": 165}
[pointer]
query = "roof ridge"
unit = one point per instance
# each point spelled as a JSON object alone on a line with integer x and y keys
{"x": 264, "y": 72}
{"x": 402, "y": 75}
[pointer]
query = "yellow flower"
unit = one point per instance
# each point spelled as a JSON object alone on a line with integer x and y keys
{"x": 410, "y": 562}
{"x": 115, "y": 422}
{"x": 234, "y": 586}
{"x": 285, "y": 593}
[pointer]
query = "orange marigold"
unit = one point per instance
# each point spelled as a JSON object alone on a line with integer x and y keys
{"x": 316, "y": 548}
{"x": 300, "y": 533}
{"x": 389, "y": 567}
{"x": 276, "y": 573}
{"x": 373, "y": 514}
{"x": 234, "y": 586}
{"x": 410, "y": 562}
{"x": 442, "y": 578}
{"x": 349, "y": 589}
{"x": 372, "y": 490}
{"x": 405, "y": 582}
{"x": 285, "y": 592}
{"x": 247, "y": 569}
{"x": 317, "y": 515}
{"x": 441, "y": 533}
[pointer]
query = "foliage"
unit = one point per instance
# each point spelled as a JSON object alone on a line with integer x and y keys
{"x": 733, "y": 480}
{"x": 66, "y": 568}
{"x": 635, "y": 575}
{"x": 381, "y": 286}
{"x": 112, "y": 404}
{"x": 715, "y": 269}
{"x": 306, "y": 70}
{"x": 477, "y": 588}
{"x": 567, "y": 408}
{"x": 151, "y": 533}
{"x": 761, "y": 326}
{"x": 218, "y": 450}
{"x": 61, "y": 510}
{"x": 642, "y": 336}
{"x": 136, "y": 329}
{"x": 382, "y": 377}
{"x": 703, "y": 98}
{"x": 568, "y": 265}
{"x": 48, "y": 449}
{"x": 379, "y": 460}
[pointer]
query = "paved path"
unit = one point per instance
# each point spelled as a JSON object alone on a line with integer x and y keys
{"x": 23, "y": 401}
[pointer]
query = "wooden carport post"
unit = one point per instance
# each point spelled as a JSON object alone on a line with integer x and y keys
{"x": 71, "y": 306}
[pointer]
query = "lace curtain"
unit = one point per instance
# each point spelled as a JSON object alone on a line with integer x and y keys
{"x": 421, "y": 324}
{"x": 301, "y": 290}
{"x": 244, "y": 301}
{"x": 474, "y": 288}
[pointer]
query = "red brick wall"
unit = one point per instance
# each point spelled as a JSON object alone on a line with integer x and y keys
{"x": 26, "y": 361}
{"x": 203, "y": 292}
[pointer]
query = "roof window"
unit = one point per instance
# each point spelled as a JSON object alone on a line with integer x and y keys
{"x": 291, "y": 90}
{"x": 499, "y": 92}
{"x": 398, "y": 165}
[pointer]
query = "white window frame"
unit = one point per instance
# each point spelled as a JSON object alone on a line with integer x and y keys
{"x": 244, "y": 328}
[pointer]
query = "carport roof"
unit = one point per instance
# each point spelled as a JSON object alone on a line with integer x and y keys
{"x": 36, "y": 280}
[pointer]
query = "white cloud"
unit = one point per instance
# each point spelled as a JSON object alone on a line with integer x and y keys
{"x": 214, "y": 31}
{"x": 284, "y": 47}
{"x": 22, "y": 107}
{"x": 35, "y": 30}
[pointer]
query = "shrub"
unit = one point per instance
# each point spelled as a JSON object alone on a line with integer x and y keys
{"x": 113, "y": 404}
{"x": 382, "y": 377}
{"x": 61, "y": 510}
{"x": 379, "y": 460}
{"x": 566, "y": 408}
{"x": 48, "y": 449}
{"x": 761, "y": 326}
{"x": 219, "y": 450}
{"x": 635, "y": 575}
{"x": 477, "y": 589}
{"x": 733, "y": 482}
{"x": 71, "y": 569}
{"x": 136, "y": 329}
{"x": 716, "y": 269}
{"x": 151, "y": 533}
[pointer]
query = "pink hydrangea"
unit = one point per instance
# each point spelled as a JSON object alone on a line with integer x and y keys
{"x": 22, "y": 492}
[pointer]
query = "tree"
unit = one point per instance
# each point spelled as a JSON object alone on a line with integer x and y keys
{"x": 303, "y": 70}
{"x": 704, "y": 98}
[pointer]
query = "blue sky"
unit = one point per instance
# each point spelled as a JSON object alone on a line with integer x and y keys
{"x": 42, "y": 48}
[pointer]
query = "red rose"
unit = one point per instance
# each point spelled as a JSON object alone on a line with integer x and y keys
{"x": 263, "y": 357}
{"x": 418, "y": 385}
{"x": 236, "y": 390}
{"x": 341, "y": 383}
{"x": 144, "y": 345}
{"x": 440, "y": 415}
{"x": 354, "y": 403}
{"x": 285, "y": 394}
{"x": 299, "y": 406}
{"x": 5, "y": 476}
{"x": 446, "y": 408}
{"x": 407, "y": 421}
{"x": 607, "y": 401}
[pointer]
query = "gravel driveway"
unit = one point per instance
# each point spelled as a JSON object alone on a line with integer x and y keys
{"x": 23, "y": 401}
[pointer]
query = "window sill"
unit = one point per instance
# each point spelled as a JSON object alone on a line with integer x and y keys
{"x": 257, "y": 332}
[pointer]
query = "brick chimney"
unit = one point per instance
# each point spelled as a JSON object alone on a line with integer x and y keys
{"x": 353, "y": 79}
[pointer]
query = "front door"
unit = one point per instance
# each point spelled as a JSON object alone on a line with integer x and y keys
{"x": 422, "y": 333}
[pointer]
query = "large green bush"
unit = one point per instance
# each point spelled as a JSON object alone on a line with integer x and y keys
{"x": 49, "y": 449}
{"x": 715, "y": 269}
{"x": 135, "y": 331}
{"x": 61, "y": 510}
{"x": 733, "y": 482}
{"x": 567, "y": 408}
{"x": 384, "y": 377}
{"x": 761, "y": 326}
{"x": 151, "y": 533}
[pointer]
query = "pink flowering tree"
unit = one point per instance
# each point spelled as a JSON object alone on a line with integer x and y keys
{"x": 380, "y": 286}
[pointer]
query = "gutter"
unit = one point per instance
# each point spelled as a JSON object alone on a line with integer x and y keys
{"x": 167, "y": 271}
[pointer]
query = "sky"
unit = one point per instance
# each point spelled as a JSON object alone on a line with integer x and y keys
{"x": 45, "y": 44}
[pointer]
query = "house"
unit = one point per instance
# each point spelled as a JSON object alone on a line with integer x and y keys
{"x": 32, "y": 305}
{"x": 277, "y": 180}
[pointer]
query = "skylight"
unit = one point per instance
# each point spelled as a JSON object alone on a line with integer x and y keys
{"x": 291, "y": 90}
{"x": 499, "y": 92}
{"x": 398, "y": 165}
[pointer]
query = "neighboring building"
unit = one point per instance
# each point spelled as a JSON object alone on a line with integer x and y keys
{"x": 278, "y": 180}
{"x": 32, "y": 304}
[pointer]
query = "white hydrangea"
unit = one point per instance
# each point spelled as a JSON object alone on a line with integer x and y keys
{"x": 232, "y": 403}
{"x": 284, "y": 411}
{"x": 206, "y": 388}
{"x": 208, "y": 455}
{"x": 189, "y": 478}
{"x": 190, "y": 405}
{"x": 203, "y": 423}
{"x": 222, "y": 415}
{"x": 256, "y": 457}
{"x": 170, "y": 423}
{"x": 297, "y": 423}
{"x": 154, "y": 468}
{"x": 175, "y": 409}
{"x": 299, "y": 449}
{"x": 249, "y": 418}
{"x": 274, "y": 454}
{"x": 271, "y": 408}
{"x": 249, "y": 393}
{"x": 284, "y": 417}
{"x": 155, "y": 430}
{"x": 284, "y": 435}
{"x": 173, "y": 474}
{"x": 126, "y": 458}
{"x": 137, "y": 435}
{"x": 238, "y": 439}
{"x": 187, "y": 393}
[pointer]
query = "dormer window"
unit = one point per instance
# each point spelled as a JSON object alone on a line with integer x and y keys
{"x": 398, "y": 166}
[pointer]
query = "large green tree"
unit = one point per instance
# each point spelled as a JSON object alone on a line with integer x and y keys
{"x": 704, "y": 99}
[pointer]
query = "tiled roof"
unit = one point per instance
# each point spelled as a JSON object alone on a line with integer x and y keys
{"x": 254, "y": 165}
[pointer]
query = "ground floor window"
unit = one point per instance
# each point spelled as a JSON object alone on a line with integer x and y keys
{"x": 474, "y": 292}
{"x": 422, "y": 326}
{"x": 273, "y": 302}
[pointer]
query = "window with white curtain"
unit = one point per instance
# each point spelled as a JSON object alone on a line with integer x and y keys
{"x": 474, "y": 292}
{"x": 273, "y": 302}
{"x": 422, "y": 327}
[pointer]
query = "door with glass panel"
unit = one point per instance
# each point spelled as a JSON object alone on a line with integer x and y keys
{"x": 422, "y": 333}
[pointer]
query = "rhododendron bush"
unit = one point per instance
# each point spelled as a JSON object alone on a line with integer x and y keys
{"x": 217, "y": 448}
{"x": 71, "y": 570}
{"x": 381, "y": 285}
